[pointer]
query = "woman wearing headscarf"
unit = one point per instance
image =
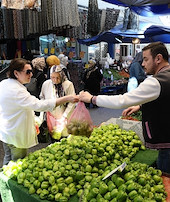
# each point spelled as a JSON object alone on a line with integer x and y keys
{"x": 92, "y": 78}
{"x": 38, "y": 78}
{"x": 50, "y": 61}
{"x": 63, "y": 64}
{"x": 58, "y": 86}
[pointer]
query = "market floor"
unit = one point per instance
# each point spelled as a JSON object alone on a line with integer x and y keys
{"x": 98, "y": 116}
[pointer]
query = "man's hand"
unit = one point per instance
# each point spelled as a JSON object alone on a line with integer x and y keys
{"x": 72, "y": 98}
{"x": 130, "y": 110}
{"x": 85, "y": 96}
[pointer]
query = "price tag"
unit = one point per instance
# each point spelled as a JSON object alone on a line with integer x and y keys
{"x": 82, "y": 54}
{"x": 121, "y": 167}
{"x": 52, "y": 50}
{"x": 45, "y": 50}
{"x": 71, "y": 55}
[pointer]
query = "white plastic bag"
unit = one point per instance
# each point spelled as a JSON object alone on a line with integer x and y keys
{"x": 132, "y": 84}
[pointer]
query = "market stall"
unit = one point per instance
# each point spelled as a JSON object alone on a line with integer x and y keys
{"x": 114, "y": 81}
{"x": 105, "y": 166}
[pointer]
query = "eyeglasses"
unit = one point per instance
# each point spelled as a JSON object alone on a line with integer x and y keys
{"x": 28, "y": 71}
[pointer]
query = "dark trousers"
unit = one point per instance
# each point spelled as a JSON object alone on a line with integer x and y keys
{"x": 163, "y": 162}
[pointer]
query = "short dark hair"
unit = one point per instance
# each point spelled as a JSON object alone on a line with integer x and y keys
{"x": 18, "y": 65}
{"x": 157, "y": 48}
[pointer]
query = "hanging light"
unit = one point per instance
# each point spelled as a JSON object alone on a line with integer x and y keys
{"x": 66, "y": 39}
{"x": 119, "y": 39}
{"x": 135, "y": 40}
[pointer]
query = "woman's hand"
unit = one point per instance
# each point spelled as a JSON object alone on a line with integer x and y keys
{"x": 67, "y": 98}
{"x": 72, "y": 98}
{"x": 85, "y": 96}
{"x": 130, "y": 110}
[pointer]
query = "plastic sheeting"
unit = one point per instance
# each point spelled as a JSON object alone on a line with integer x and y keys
{"x": 145, "y": 7}
{"x": 116, "y": 35}
{"x": 158, "y": 33}
{"x": 151, "y": 34}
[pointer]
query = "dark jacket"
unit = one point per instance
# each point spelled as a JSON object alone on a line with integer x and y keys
{"x": 156, "y": 125}
{"x": 34, "y": 87}
{"x": 92, "y": 79}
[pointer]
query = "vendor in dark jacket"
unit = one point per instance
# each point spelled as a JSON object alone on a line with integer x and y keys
{"x": 153, "y": 97}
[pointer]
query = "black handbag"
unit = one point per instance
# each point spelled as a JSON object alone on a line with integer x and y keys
{"x": 43, "y": 136}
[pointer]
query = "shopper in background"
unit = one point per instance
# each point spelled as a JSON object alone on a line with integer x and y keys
{"x": 63, "y": 64}
{"x": 136, "y": 70}
{"x": 18, "y": 131}
{"x": 92, "y": 79}
{"x": 126, "y": 64}
{"x": 51, "y": 60}
{"x": 119, "y": 63}
{"x": 153, "y": 96}
{"x": 56, "y": 87}
{"x": 38, "y": 78}
{"x": 28, "y": 55}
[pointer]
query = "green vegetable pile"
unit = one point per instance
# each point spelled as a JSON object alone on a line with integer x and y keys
{"x": 77, "y": 165}
{"x": 115, "y": 73}
{"x": 138, "y": 183}
{"x": 136, "y": 116}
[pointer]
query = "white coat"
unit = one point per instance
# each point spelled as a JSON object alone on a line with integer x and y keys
{"x": 17, "y": 106}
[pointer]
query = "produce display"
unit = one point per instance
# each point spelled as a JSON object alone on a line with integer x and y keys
{"x": 137, "y": 116}
{"x": 137, "y": 183}
{"x": 77, "y": 165}
{"x": 114, "y": 77}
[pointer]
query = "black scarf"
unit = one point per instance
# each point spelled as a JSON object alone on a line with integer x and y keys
{"x": 59, "y": 90}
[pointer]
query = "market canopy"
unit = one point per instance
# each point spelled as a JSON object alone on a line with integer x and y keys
{"x": 145, "y": 7}
{"x": 116, "y": 35}
{"x": 158, "y": 33}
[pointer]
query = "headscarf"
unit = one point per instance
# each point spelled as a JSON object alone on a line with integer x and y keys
{"x": 58, "y": 87}
{"x": 129, "y": 58}
{"x": 63, "y": 59}
{"x": 52, "y": 60}
{"x": 92, "y": 68}
{"x": 39, "y": 63}
{"x": 93, "y": 62}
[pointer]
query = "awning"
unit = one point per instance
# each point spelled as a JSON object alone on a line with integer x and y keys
{"x": 158, "y": 33}
{"x": 145, "y": 7}
{"x": 116, "y": 35}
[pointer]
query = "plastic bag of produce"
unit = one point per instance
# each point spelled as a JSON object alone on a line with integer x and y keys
{"x": 80, "y": 122}
{"x": 55, "y": 126}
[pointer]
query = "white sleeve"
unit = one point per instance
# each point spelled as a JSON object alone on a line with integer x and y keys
{"x": 41, "y": 96}
{"x": 147, "y": 91}
{"x": 25, "y": 100}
